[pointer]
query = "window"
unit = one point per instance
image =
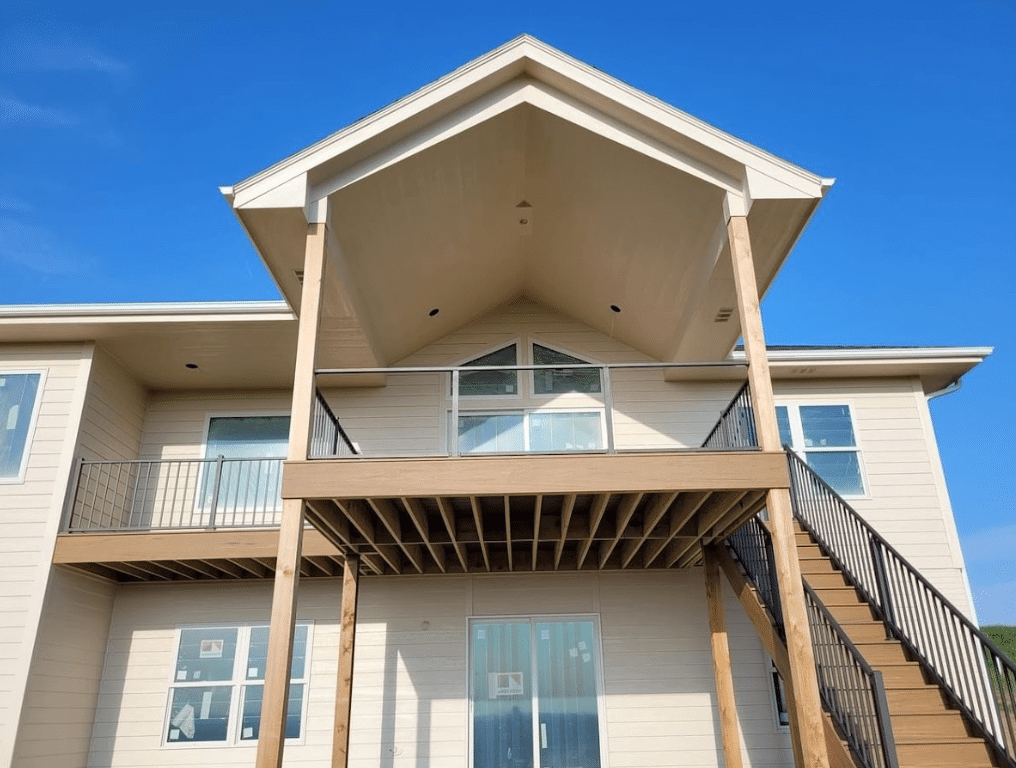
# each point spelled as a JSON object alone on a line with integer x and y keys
{"x": 779, "y": 696}
{"x": 19, "y": 406}
{"x": 560, "y": 380}
{"x": 218, "y": 680}
{"x": 534, "y": 692}
{"x": 824, "y": 436}
{"x": 556, "y": 413}
{"x": 491, "y": 383}
{"x": 252, "y": 481}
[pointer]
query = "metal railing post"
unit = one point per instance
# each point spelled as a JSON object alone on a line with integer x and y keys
{"x": 215, "y": 491}
{"x": 453, "y": 437}
{"x": 608, "y": 407}
{"x": 882, "y": 581}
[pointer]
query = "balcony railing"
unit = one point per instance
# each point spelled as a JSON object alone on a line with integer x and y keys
{"x": 176, "y": 494}
{"x": 531, "y": 409}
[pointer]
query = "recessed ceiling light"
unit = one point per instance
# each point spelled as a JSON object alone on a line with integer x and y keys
{"x": 614, "y": 308}
{"x": 192, "y": 366}
{"x": 433, "y": 312}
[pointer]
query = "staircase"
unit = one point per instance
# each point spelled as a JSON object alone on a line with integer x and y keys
{"x": 906, "y": 679}
{"x": 928, "y": 732}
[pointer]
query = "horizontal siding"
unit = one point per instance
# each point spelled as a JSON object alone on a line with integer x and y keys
{"x": 905, "y": 501}
{"x": 176, "y": 423}
{"x": 66, "y": 671}
{"x": 114, "y": 413}
{"x": 29, "y": 514}
{"x": 410, "y": 695}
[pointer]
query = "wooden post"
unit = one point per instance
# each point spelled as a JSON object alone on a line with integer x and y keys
{"x": 272, "y": 734}
{"x": 347, "y": 644}
{"x": 726, "y": 702}
{"x": 803, "y": 681}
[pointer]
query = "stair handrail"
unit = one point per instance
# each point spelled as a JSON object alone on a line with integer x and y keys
{"x": 974, "y": 673}
{"x": 852, "y": 692}
{"x": 851, "y": 689}
{"x": 735, "y": 429}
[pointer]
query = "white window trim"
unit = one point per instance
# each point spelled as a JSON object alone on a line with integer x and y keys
{"x": 237, "y": 683}
{"x": 26, "y": 453}
{"x": 532, "y": 618}
{"x": 797, "y": 436}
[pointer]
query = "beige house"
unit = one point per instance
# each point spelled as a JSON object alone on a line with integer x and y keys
{"x": 492, "y": 486}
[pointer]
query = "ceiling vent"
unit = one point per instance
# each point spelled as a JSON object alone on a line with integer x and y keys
{"x": 299, "y": 275}
{"x": 524, "y": 218}
{"x": 723, "y": 315}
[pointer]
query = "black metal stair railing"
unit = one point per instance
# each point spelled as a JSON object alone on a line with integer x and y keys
{"x": 852, "y": 692}
{"x": 328, "y": 438}
{"x": 965, "y": 663}
{"x": 735, "y": 429}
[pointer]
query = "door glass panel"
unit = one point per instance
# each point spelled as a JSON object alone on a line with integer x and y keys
{"x": 566, "y": 431}
{"x": 502, "y": 695}
{"x": 566, "y": 676}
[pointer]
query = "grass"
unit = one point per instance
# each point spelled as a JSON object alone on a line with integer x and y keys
{"x": 1004, "y": 637}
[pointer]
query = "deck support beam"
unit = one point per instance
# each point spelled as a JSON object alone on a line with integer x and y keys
{"x": 347, "y": 644}
{"x": 726, "y": 701}
{"x": 272, "y": 736}
{"x": 804, "y": 681}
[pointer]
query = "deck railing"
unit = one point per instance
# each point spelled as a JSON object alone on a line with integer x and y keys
{"x": 173, "y": 494}
{"x": 968, "y": 666}
{"x": 852, "y": 692}
{"x": 579, "y": 407}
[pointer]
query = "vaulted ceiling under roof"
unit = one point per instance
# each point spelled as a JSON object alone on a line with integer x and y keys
{"x": 622, "y": 199}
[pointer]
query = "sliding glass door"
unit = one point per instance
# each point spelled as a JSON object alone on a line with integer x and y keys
{"x": 534, "y": 692}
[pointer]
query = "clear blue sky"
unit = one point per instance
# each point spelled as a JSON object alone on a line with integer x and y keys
{"x": 118, "y": 124}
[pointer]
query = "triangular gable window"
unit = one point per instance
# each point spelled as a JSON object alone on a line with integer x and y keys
{"x": 560, "y": 380}
{"x": 492, "y": 383}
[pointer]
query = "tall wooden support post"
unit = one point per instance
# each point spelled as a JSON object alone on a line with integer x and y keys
{"x": 804, "y": 681}
{"x": 272, "y": 734}
{"x": 729, "y": 726}
{"x": 347, "y": 644}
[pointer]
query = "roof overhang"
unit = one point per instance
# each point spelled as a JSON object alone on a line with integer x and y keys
{"x": 249, "y": 345}
{"x": 629, "y": 203}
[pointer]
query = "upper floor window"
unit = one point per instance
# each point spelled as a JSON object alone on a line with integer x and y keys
{"x": 492, "y": 383}
{"x": 556, "y": 381}
{"x": 824, "y": 435}
{"x": 19, "y": 406}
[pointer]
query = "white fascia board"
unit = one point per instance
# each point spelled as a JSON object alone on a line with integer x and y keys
{"x": 189, "y": 311}
{"x": 881, "y": 355}
{"x": 519, "y": 54}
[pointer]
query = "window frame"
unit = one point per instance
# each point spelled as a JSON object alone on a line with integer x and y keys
{"x": 797, "y": 439}
{"x": 533, "y": 619}
{"x": 26, "y": 451}
{"x": 237, "y": 683}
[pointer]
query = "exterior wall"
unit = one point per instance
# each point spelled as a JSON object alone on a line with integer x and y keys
{"x": 409, "y": 416}
{"x": 114, "y": 412}
{"x": 176, "y": 423}
{"x": 56, "y": 721}
{"x": 410, "y": 699}
{"x": 906, "y": 500}
{"x": 30, "y": 514}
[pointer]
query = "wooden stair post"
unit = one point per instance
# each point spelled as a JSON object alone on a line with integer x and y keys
{"x": 803, "y": 680}
{"x": 272, "y": 732}
{"x": 726, "y": 700}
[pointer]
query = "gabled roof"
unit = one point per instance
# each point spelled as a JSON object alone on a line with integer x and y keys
{"x": 623, "y": 198}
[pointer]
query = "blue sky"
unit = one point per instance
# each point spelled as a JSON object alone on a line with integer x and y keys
{"x": 118, "y": 124}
